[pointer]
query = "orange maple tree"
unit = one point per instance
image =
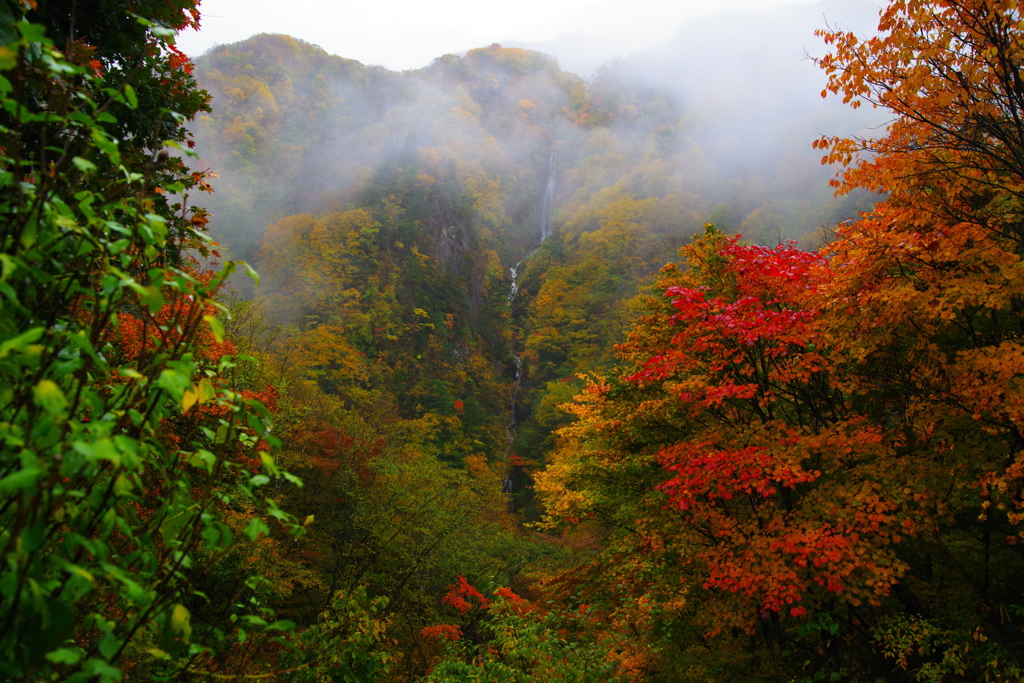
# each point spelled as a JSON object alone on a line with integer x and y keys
{"x": 835, "y": 437}
{"x": 931, "y": 279}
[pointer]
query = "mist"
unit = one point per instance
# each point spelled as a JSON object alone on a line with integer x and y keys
{"x": 715, "y": 124}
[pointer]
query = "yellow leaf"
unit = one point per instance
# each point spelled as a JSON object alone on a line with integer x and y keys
{"x": 189, "y": 399}
{"x": 75, "y": 569}
{"x": 181, "y": 622}
{"x": 205, "y": 391}
{"x": 199, "y": 393}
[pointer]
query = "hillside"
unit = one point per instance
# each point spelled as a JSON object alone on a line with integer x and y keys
{"x": 390, "y": 207}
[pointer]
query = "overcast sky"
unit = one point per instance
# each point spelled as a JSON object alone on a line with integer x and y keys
{"x": 408, "y": 34}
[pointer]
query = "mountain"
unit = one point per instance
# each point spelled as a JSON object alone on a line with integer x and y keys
{"x": 386, "y": 210}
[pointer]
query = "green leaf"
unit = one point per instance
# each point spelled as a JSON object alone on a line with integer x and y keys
{"x": 268, "y": 464}
{"x": 79, "y": 571}
{"x": 100, "y": 669}
{"x": 216, "y": 327}
{"x": 152, "y": 298}
{"x": 32, "y": 33}
{"x": 100, "y": 449}
{"x": 204, "y": 459}
{"x": 255, "y": 528}
{"x": 7, "y": 268}
{"x": 83, "y": 165}
{"x": 109, "y": 645}
{"x": 65, "y": 655}
{"x": 22, "y": 340}
{"x": 21, "y": 480}
{"x": 129, "y": 449}
{"x": 106, "y": 145}
{"x": 259, "y": 480}
{"x": 174, "y": 382}
{"x": 49, "y": 397}
{"x": 122, "y": 485}
{"x": 133, "y": 99}
{"x": 282, "y": 625}
{"x": 7, "y": 33}
{"x": 252, "y": 273}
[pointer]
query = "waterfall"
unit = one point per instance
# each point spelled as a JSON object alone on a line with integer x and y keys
{"x": 510, "y": 429}
{"x": 548, "y": 202}
{"x": 514, "y": 289}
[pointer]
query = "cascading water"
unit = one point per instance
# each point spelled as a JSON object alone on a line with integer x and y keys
{"x": 514, "y": 289}
{"x": 510, "y": 428}
{"x": 547, "y": 203}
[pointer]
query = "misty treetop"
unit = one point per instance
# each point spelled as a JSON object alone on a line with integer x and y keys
{"x": 324, "y": 124}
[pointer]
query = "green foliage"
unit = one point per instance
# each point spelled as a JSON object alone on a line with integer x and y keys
{"x": 376, "y": 321}
{"x": 109, "y": 510}
{"x": 383, "y": 512}
{"x": 526, "y": 646}
{"x": 348, "y": 643}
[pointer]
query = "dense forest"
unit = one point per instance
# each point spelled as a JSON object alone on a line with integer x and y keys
{"x": 486, "y": 371}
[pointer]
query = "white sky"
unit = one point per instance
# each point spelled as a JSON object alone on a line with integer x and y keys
{"x": 407, "y": 34}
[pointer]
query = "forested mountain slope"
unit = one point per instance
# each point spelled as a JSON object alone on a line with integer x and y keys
{"x": 385, "y": 210}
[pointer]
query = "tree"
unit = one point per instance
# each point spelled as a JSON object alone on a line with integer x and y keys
{"x": 928, "y": 307}
{"x": 774, "y": 494}
{"x": 120, "y": 445}
{"x": 521, "y": 642}
{"x": 841, "y": 431}
{"x": 948, "y": 71}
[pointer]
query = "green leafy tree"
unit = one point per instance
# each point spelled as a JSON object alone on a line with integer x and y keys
{"x": 121, "y": 449}
{"x": 523, "y": 644}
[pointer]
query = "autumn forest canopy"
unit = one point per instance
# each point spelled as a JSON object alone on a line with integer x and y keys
{"x": 313, "y": 371}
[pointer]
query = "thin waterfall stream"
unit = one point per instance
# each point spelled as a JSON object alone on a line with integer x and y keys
{"x": 547, "y": 202}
